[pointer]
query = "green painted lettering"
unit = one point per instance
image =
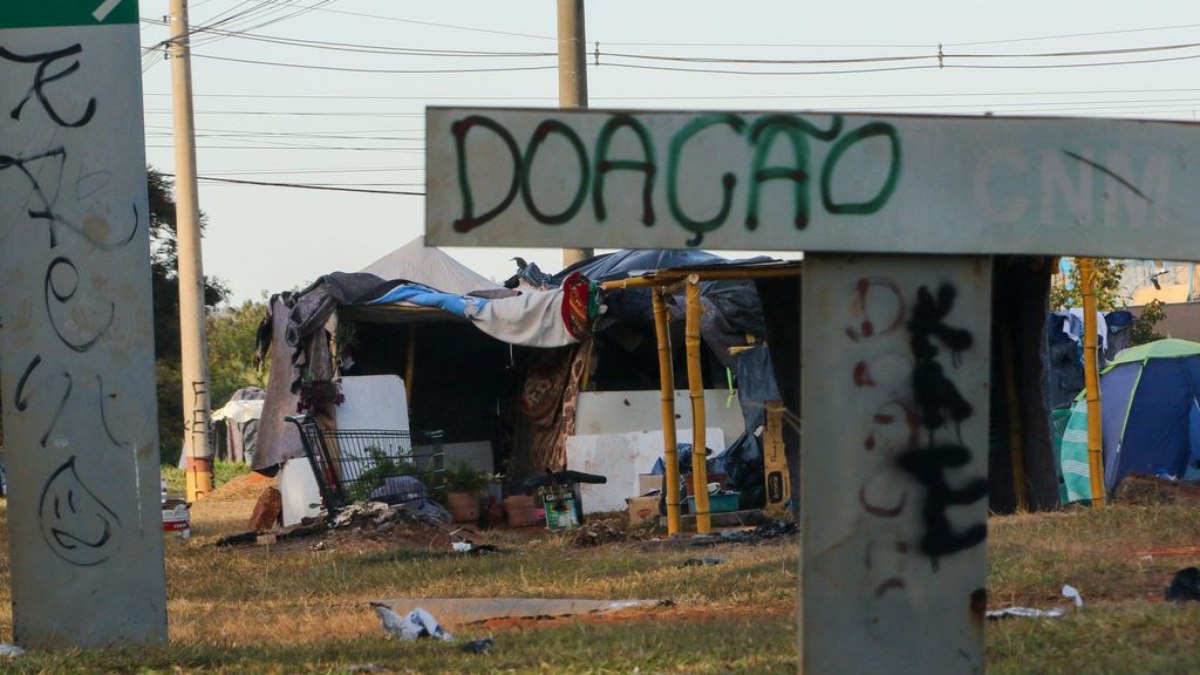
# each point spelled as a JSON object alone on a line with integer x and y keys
{"x": 835, "y": 154}
{"x": 728, "y": 180}
{"x": 469, "y": 220}
{"x": 540, "y": 134}
{"x": 763, "y": 134}
{"x": 604, "y": 165}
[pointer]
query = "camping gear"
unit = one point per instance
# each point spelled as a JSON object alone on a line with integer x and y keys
{"x": 1150, "y": 398}
{"x": 351, "y": 464}
{"x": 719, "y": 503}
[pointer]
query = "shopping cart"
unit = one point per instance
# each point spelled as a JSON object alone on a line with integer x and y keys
{"x": 353, "y": 465}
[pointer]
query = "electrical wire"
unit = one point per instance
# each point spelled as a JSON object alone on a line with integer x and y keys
{"x": 394, "y": 71}
{"x": 306, "y": 186}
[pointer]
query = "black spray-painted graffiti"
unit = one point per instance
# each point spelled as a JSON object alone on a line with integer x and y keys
{"x": 75, "y": 523}
{"x": 591, "y": 173}
{"x": 78, "y": 526}
{"x": 940, "y": 403}
{"x": 881, "y": 309}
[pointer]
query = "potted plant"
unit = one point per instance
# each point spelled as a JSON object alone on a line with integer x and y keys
{"x": 464, "y": 488}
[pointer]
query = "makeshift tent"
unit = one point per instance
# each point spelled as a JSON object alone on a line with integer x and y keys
{"x": 235, "y": 425}
{"x": 459, "y": 360}
{"x": 1150, "y": 415}
{"x": 430, "y": 266}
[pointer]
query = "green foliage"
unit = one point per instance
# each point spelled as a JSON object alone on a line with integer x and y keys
{"x": 223, "y": 472}
{"x": 1108, "y": 286}
{"x": 231, "y": 360}
{"x": 1108, "y": 298}
{"x": 383, "y": 466}
{"x": 1142, "y": 329}
{"x": 462, "y": 477}
{"x": 164, "y": 260}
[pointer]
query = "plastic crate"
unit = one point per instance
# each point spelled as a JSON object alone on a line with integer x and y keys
{"x": 717, "y": 503}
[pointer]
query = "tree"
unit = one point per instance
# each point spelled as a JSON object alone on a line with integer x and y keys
{"x": 164, "y": 266}
{"x": 231, "y": 358}
{"x": 1108, "y": 298}
{"x": 1108, "y": 287}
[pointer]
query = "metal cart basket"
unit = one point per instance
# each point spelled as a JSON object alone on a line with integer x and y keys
{"x": 353, "y": 465}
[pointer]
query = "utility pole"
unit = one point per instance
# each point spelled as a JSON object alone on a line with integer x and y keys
{"x": 572, "y": 81}
{"x": 196, "y": 418}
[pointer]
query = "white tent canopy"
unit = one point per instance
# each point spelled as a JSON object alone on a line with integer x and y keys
{"x": 431, "y": 267}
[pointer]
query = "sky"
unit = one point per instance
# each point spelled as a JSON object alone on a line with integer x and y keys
{"x": 332, "y": 93}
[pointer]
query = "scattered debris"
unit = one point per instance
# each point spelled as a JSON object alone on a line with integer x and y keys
{"x": 1185, "y": 585}
{"x": 461, "y": 546}
{"x": 597, "y": 532}
{"x": 771, "y": 529}
{"x": 416, "y": 624}
{"x": 482, "y": 646}
{"x": 1023, "y": 613}
{"x": 11, "y": 651}
{"x": 268, "y": 510}
{"x": 1070, "y": 591}
{"x": 702, "y": 562}
{"x": 463, "y": 611}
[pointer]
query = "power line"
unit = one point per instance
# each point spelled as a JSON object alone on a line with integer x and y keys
{"x": 392, "y": 71}
{"x": 440, "y": 25}
{"x": 307, "y": 186}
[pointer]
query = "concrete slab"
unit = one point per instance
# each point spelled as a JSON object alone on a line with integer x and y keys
{"x": 461, "y": 611}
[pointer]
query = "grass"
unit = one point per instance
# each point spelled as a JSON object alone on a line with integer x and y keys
{"x": 223, "y": 472}
{"x": 263, "y": 610}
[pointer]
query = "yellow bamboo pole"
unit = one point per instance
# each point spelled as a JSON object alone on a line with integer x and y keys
{"x": 696, "y": 391}
{"x": 667, "y": 277}
{"x": 1091, "y": 380}
{"x": 666, "y": 381}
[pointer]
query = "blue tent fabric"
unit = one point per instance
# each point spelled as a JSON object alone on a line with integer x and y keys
{"x": 1150, "y": 418}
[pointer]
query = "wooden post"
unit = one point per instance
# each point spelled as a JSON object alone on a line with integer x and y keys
{"x": 666, "y": 379}
{"x": 1091, "y": 381}
{"x": 696, "y": 391}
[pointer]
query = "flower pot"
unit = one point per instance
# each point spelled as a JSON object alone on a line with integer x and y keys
{"x": 519, "y": 511}
{"x": 463, "y": 506}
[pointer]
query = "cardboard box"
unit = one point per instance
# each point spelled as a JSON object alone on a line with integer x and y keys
{"x": 648, "y": 482}
{"x": 642, "y": 509}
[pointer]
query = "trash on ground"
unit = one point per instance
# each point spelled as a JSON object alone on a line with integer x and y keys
{"x": 418, "y": 623}
{"x": 771, "y": 529}
{"x": 482, "y": 646}
{"x": 702, "y": 561}
{"x": 1185, "y": 585}
{"x": 1023, "y": 613}
{"x": 461, "y": 546}
{"x": 1070, "y": 591}
{"x": 11, "y": 651}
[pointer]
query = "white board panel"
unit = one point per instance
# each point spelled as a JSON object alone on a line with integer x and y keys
{"x": 894, "y": 392}
{"x": 811, "y": 181}
{"x": 620, "y": 458}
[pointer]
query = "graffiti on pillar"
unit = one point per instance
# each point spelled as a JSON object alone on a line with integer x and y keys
{"x": 913, "y": 439}
{"x": 76, "y": 523}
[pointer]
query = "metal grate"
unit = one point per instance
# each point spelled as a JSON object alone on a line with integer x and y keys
{"x": 353, "y": 465}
